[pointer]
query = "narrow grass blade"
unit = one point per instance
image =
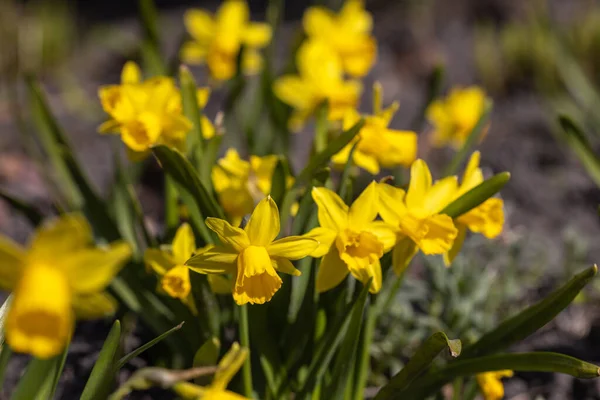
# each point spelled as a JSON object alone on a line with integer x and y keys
{"x": 279, "y": 181}
{"x": 419, "y": 363}
{"x": 125, "y": 359}
{"x": 34, "y": 383}
{"x": 531, "y": 319}
{"x": 346, "y": 173}
{"x": 579, "y": 143}
{"x": 99, "y": 383}
{"x": 471, "y": 141}
{"x": 535, "y": 362}
{"x": 477, "y": 195}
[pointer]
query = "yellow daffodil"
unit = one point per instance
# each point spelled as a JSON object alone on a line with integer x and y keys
{"x": 454, "y": 117}
{"x": 59, "y": 276}
{"x": 240, "y": 184}
{"x": 487, "y": 218}
{"x": 320, "y": 77}
{"x": 378, "y": 146}
{"x": 148, "y": 112}
{"x": 169, "y": 265}
{"x": 217, "y": 40}
{"x": 490, "y": 384}
{"x": 252, "y": 254}
{"x": 351, "y": 241}
{"x": 416, "y": 213}
{"x": 229, "y": 365}
{"x": 347, "y": 33}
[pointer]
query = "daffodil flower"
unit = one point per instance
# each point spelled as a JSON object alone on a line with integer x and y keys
{"x": 487, "y": 218}
{"x": 252, "y": 254}
{"x": 351, "y": 241}
{"x": 217, "y": 40}
{"x": 59, "y": 276}
{"x": 169, "y": 265}
{"x": 320, "y": 77}
{"x": 348, "y": 34}
{"x": 416, "y": 213}
{"x": 240, "y": 184}
{"x": 229, "y": 365}
{"x": 146, "y": 113}
{"x": 378, "y": 146}
{"x": 490, "y": 384}
{"x": 454, "y": 117}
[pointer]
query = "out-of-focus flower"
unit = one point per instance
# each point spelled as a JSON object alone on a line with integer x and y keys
{"x": 487, "y": 218}
{"x": 454, "y": 117}
{"x": 148, "y": 112}
{"x": 417, "y": 214}
{"x": 252, "y": 254}
{"x": 350, "y": 240}
{"x": 60, "y": 276}
{"x": 240, "y": 184}
{"x": 169, "y": 265}
{"x": 490, "y": 384}
{"x": 348, "y": 34}
{"x": 378, "y": 146}
{"x": 320, "y": 77}
{"x": 217, "y": 40}
{"x": 229, "y": 365}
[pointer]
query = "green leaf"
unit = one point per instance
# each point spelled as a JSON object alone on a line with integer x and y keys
{"x": 419, "y": 363}
{"x": 100, "y": 381}
{"x": 327, "y": 348}
{"x": 279, "y": 181}
{"x": 176, "y": 166}
{"x": 125, "y": 359}
{"x": 579, "y": 143}
{"x": 38, "y": 377}
{"x": 208, "y": 353}
{"x": 471, "y": 141}
{"x": 320, "y": 159}
{"x": 536, "y": 361}
{"x": 321, "y": 126}
{"x": 477, "y": 195}
{"x": 29, "y": 211}
{"x": 151, "y": 44}
{"x": 344, "y": 362}
{"x": 531, "y": 319}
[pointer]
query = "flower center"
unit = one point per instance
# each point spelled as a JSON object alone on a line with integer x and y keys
{"x": 361, "y": 244}
{"x": 176, "y": 282}
{"x": 257, "y": 281}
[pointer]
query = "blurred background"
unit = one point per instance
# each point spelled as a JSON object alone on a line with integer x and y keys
{"x": 536, "y": 59}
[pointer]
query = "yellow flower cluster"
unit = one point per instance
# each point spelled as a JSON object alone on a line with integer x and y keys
{"x": 59, "y": 276}
{"x": 217, "y": 40}
{"x": 148, "y": 112}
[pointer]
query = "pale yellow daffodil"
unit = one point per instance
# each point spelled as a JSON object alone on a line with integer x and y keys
{"x": 454, "y": 117}
{"x": 60, "y": 276}
{"x": 348, "y": 33}
{"x": 378, "y": 146}
{"x": 148, "y": 112}
{"x": 416, "y": 213}
{"x": 217, "y": 40}
{"x": 169, "y": 265}
{"x": 490, "y": 384}
{"x": 351, "y": 241}
{"x": 487, "y": 218}
{"x": 241, "y": 184}
{"x": 229, "y": 365}
{"x": 252, "y": 254}
{"x": 320, "y": 77}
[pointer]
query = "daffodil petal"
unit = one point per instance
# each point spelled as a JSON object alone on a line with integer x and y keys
{"x": 257, "y": 34}
{"x": 441, "y": 194}
{"x": 158, "y": 261}
{"x": 229, "y": 235}
{"x": 391, "y": 203}
{"x": 229, "y": 365}
{"x": 365, "y": 207}
{"x": 184, "y": 244}
{"x": 456, "y": 246}
{"x": 440, "y": 235}
{"x": 386, "y": 233}
{"x": 420, "y": 182}
{"x": 62, "y": 235}
{"x": 92, "y": 270}
{"x": 332, "y": 271}
{"x": 94, "y": 305}
{"x": 293, "y": 247}
{"x": 217, "y": 260}
{"x": 325, "y": 237}
{"x": 284, "y": 265}
{"x": 263, "y": 226}
{"x": 199, "y": 24}
{"x": 131, "y": 73}
{"x": 332, "y": 211}
{"x": 402, "y": 255}
{"x": 12, "y": 257}
{"x": 372, "y": 270}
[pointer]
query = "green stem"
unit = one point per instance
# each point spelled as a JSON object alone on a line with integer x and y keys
{"x": 365, "y": 354}
{"x": 171, "y": 209}
{"x": 322, "y": 126}
{"x": 245, "y": 340}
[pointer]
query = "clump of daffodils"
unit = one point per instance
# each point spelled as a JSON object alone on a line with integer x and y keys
{"x": 148, "y": 112}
